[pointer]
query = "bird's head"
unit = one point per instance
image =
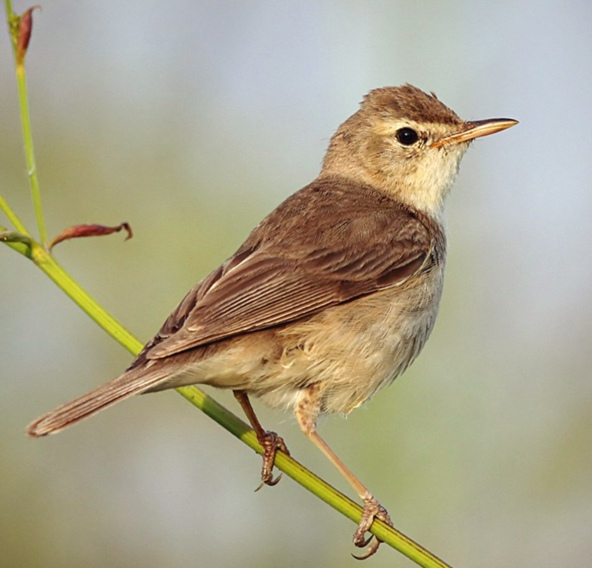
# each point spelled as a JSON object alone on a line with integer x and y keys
{"x": 406, "y": 143}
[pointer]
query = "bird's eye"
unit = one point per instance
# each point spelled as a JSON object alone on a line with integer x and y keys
{"x": 407, "y": 136}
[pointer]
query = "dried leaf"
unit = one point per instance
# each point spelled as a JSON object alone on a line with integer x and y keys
{"x": 78, "y": 231}
{"x": 25, "y": 29}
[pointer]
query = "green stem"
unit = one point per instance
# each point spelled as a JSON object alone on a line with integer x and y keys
{"x": 16, "y": 241}
{"x": 21, "y": 81}
{"x": 10, "y": 16}
{"x": 23, "y": 97}
{"x": 50, "y": 266}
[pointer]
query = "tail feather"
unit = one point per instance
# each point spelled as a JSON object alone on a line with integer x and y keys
{"x": 118, "y": 389}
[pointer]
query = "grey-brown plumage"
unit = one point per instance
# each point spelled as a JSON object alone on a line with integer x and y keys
{"x": 334, "y": 294}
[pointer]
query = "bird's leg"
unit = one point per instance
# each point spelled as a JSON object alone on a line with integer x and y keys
{"x": 307, "y": 413}
{"x": 270, "y": 441}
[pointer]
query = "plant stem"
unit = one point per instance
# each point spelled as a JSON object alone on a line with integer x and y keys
{"x": 21, "y": 81}
{"x": 83, "y": 299}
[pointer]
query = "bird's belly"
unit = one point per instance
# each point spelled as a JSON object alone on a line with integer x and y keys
{"x": 349, "y": 351}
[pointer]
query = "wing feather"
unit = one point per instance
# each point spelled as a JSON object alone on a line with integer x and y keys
{"x": 331, "y": 242}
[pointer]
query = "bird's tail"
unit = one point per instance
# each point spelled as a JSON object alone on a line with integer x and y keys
{"x": 130, "y": 383}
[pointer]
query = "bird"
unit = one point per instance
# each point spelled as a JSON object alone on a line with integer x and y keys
{"x": 331, "y": 297}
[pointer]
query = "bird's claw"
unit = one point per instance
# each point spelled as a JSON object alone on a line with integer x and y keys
{"x": 372, "y": 510}
{"x": 271, "y": 443}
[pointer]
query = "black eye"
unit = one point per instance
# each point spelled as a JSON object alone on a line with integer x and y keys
{"x": 407, "y": 136}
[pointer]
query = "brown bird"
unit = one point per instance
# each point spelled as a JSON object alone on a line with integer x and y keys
{"x": 332, "y": 296}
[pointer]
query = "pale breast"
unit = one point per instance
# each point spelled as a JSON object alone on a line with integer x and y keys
{"x": 354, "y": 349}
{"x": 350, "y": 351}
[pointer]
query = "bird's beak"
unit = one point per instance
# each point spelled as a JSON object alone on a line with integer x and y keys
{"x": 476, "y": 129}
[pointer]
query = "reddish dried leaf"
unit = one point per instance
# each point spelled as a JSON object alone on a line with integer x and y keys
{"x": 24, "y": 34}
{"x": 90, "y": 231}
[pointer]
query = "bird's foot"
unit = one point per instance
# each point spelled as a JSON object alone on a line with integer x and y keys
{"x": 372, "y": 510}
{"x": 271, "y": 443}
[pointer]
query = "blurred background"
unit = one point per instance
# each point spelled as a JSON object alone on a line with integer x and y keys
{"x": 191, "y": 121}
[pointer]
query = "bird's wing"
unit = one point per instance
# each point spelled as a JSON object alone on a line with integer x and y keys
{"x": 327, "y": 244}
